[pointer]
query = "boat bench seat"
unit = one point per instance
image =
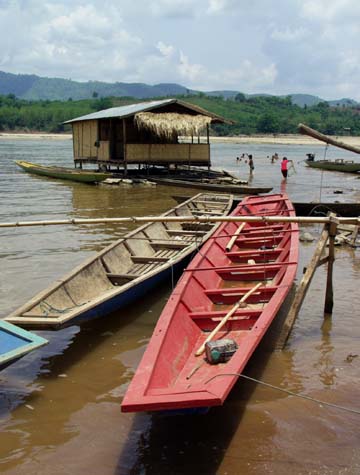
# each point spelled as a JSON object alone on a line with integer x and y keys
{"x": 217, "y": 315}
{"x": 168, "y": 245}
{"x": 147, "y": 259}
{"x": 121, "y": 278}
{"x": 185, "y": 233}
{"x": 233, "y": 295}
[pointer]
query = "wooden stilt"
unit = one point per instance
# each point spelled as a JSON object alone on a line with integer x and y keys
{"x": 303, "y": 287}
{"x": 329, "y": 296}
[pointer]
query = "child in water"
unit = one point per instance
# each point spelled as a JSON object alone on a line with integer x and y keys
{"x": 284, "y": 167}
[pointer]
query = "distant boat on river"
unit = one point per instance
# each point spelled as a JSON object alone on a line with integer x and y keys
{"x": 337, "y": 165}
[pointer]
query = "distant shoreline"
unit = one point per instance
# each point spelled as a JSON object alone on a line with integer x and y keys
{"x": 33, "y": 135}
{"x": 271, "y": 139}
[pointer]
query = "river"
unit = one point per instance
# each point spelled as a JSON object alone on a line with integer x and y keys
{"x": 60, "y": 406}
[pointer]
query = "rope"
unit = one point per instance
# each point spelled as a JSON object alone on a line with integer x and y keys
{"x": 46, "y": 308}
{"x": 291, "y": 393}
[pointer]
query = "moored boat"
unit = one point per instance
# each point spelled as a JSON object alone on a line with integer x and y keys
{"x": 125, "y": 270}
{"x": 230, "y": 187}
{"x": 16, "y": 342}
{"x": 338, "y": 165}
{"x": 72, "y": 174}
{"x": 223, "y": 305}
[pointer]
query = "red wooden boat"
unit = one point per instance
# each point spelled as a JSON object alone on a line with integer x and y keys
{"x": 228, "y": 296}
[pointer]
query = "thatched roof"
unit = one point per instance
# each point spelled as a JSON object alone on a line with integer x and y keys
{"x": 168, "y": 124}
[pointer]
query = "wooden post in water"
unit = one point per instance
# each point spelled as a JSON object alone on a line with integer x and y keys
{"x": 124, "y": 141}
{"x": 329, "y": 296}
{"x": 303, "y": 287}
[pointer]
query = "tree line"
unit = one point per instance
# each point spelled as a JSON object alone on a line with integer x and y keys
{"x": 254, "y": 115}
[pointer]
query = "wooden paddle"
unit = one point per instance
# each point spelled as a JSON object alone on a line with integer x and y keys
{"x": 234, "y": 237}
{"x": 226, "y": 317}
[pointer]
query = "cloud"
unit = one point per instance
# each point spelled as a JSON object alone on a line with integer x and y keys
{"x": 165, "y": 50}
{"x": 305, "y": 46}
{"x": 288, "y": 34}
{"x": 191, "y": 71}
{"x": 172, "y": 8}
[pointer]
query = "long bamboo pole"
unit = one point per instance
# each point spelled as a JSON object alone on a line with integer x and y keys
{"x": 305, "y": 130}
{"x": 183, "y": 219}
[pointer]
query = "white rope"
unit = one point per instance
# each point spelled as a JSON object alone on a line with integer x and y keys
{"x": 291, "y": 393}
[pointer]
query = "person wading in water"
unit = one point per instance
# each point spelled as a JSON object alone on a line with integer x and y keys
{"x": 284, "y": 167}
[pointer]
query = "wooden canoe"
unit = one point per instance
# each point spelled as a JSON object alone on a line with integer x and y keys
{"x": 125, "y": 270}
{"x": 216, "y": 187}
{"x": 72, "y": 174}
{"x": 243, "y": 273}
{"x": 338, "y": 165}
{"x": 16, "y": 342}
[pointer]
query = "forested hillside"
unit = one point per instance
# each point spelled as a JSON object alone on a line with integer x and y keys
{"x": 262, "y": 114}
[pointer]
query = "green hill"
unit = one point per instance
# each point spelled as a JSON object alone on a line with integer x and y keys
{"x": 34, "y": 88}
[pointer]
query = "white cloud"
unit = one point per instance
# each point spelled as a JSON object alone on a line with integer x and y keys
{"x": 191, "y": 71}
{"x": 288, "y": 34}
{"x": 172, "y": 8}
{"x": 305, "y": 46}
{"x": 165, "y": 50}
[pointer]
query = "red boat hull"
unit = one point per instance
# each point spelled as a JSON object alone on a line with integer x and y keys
{"x": 170, "y": 375}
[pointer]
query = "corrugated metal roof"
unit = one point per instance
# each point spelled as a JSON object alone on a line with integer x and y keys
{"x": 123, "y": 111}
{"x": 126, "y": 111}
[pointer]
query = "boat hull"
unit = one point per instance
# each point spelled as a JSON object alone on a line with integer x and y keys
{"x": 341, "y": 166}
{"x": 121, "y": 300}
{"x": 260, "y": 266}
{"x": 226, "y": 188}
{"x": 125, "y": 270}
{"x": 81, "y": 176}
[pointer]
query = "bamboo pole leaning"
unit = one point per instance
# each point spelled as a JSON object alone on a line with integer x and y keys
{"x": 184, "y": 219}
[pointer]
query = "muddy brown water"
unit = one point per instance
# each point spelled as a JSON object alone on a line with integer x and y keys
{"x": 60, "y": 406}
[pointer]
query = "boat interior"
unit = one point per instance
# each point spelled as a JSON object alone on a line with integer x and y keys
{"x": 231, "y": 264}
{"x": 138, "y": 255}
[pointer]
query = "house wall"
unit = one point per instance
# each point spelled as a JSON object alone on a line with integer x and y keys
{"x": 168, "y": 153}
{"x": 85, "y": 134}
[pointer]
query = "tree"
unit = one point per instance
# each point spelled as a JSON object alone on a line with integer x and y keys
{"x": 240, "y": 97}
{"x": 268, "y": 123}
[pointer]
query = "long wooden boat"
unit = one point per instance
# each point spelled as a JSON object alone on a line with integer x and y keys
{"x": 73, "y": 174}
{"x": 216, "y": 187}
{"x": 337, "y": 165}
{"x": 125, "y": 270}
{"x": 306, "y": 209}
{"x": 231, "y": 290}
{"x": 16, "y": 342}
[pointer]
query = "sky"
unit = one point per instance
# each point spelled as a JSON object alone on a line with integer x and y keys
{"x": 254, "y": 46}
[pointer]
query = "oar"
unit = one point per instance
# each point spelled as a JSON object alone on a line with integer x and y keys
{"x": 234, "y": 237}
{"x": 226, "y": 318}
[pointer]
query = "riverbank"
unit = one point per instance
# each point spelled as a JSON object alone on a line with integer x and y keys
{"x": 33, "y": 135}
{"x": 277, "y": 139}
{"x": 282, "y": 139}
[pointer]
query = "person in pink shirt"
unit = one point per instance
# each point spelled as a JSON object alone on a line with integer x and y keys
{"x": 284, "y": 167}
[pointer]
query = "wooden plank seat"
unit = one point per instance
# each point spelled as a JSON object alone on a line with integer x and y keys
{"x": 218, "y": 315}
{"x": 119, "y": 279}
{"x": 203, "y": 211}
{"x": 168, "y": 245}
{"x": 180, "y": 232}
{"x": 259, "y": 256}
{"x": 146, "y": 259}
{"x": 232, "y": 295}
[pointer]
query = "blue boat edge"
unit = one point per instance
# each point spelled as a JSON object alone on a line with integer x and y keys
{"x": 20, "y": 342}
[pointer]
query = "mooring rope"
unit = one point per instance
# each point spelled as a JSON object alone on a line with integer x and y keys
{"x": 287, "y": 391}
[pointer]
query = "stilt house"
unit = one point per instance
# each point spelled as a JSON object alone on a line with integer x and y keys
{"x": 146, "y": 133}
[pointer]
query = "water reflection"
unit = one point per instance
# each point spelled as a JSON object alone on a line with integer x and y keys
{"x": 325, "y": 364}
{"x": 60, "y": 407}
